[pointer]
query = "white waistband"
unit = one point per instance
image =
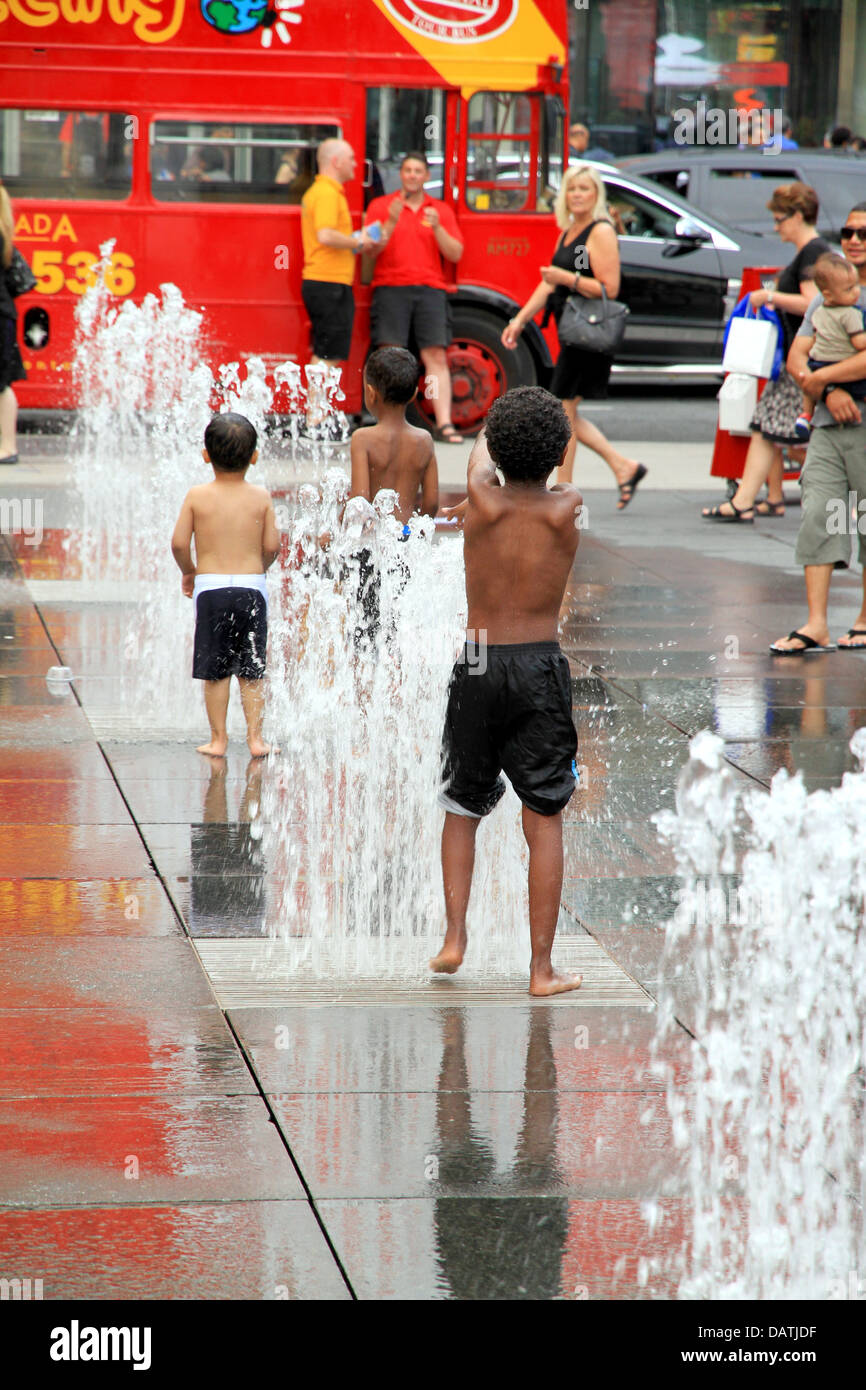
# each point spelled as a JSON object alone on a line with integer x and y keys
{"x": 230, "y": 581}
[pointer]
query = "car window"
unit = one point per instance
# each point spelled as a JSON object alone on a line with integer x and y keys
{"x": 636, "y": 215}
{"x": 676, "y": 179}
{"x": 741, "y": 195}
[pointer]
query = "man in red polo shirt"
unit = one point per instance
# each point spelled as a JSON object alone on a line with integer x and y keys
{"x": 409, "y": 286}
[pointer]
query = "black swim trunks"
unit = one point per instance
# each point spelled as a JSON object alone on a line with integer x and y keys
{"x": 509, "y": 709}
{"x": 231, "y": 634}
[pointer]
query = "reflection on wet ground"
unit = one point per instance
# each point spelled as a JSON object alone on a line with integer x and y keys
{"x": 160, "y": 1145}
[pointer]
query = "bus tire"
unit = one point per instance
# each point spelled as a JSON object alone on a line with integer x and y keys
{"x": 481, "y": 368}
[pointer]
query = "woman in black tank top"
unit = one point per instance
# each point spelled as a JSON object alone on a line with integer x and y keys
{"x": 586, "y": 257}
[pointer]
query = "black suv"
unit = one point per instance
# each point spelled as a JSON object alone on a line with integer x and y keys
{"x": 681, "y": 274}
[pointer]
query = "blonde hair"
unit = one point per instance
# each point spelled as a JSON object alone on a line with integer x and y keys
{"x": 560, "y": 207}
{"x": 7, "y": 226}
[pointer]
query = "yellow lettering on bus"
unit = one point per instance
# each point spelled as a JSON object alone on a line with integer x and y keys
{"x": 154, "y": 22}
{"x": 81, "y": 11}
{"x": 22, "y": 226}
{"x": 149, "y": 16}
{"x": 119, "y": 277}
{"x": 50, "y": 268}
{"x": 64, "y": 229}
{"x": 47, "y": 268}
{"x": 83, "y": 279}
{"x": 41, "y": 224}
{"x": 36, "y": 13}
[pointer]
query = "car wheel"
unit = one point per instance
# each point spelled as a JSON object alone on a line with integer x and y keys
{"x": 481, "y": 368}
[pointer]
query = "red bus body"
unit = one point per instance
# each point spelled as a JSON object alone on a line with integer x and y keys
{"x": 163, "y": 66}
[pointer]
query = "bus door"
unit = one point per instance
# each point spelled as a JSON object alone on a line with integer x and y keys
{"x": 510, "y": 159}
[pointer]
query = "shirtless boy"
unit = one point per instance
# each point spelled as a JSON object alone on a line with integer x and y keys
{"x": 392, "y": 453}
{"x": 509, "y": 705}
{"x": 236, "y": 539}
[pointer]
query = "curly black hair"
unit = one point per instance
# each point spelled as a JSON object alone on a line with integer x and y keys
{"x": 527, "y": 432}
{"x": 394, "y": 373}
{"x": 230, "y": 441}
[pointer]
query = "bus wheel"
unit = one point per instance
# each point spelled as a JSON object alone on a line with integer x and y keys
{"x": 481, "y": 368}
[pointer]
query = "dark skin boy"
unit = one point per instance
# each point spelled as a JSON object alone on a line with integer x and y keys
{"x": 529, "y": 532}
{"x": 394, "y": 454}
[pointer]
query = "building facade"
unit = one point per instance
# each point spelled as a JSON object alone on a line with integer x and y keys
{"x": 634, "y": 62}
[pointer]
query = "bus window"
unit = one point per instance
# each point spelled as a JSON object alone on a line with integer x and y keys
{"x": 66, "y": 154}
{"x": 500, "y": 176}
{"x": 400, "y": 120}
{"x": 551, "y": 154}
{"x": 219, "y": 162}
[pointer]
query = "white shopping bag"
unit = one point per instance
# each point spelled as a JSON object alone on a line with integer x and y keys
{"x": 751, "y": 347}
{"x": 737, "y": 400}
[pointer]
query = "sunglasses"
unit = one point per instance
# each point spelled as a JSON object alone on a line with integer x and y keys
{"x": 847, "y": 233}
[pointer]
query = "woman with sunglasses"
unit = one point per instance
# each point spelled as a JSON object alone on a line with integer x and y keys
{"x": 795, "y": 211}
{"x": 834, "y": 474}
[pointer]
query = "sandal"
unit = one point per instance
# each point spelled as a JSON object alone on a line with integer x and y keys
{"x": 853, "y": 646}
{"x": 739, "y": 514}
{"x": 447, "y": 434}
{"x": 766, "y": 508}
{"x": 627, "y": 490}
{"x": 10, "y": 458}
{"x": 809, "y": 645}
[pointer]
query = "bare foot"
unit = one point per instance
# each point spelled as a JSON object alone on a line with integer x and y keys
{"x": 449, "y": 959}
{"x": 259, "y": 749}
{"x": 216, "y": 748}
{"x": 549, "y": 981}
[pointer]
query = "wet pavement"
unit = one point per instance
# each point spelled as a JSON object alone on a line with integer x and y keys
{"x": 176, "y": 1125}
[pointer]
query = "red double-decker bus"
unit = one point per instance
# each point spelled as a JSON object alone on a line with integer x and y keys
{"x": 185, "y": 131}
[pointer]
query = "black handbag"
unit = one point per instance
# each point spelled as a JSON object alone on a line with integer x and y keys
{"x": 596, "y": 325}
{"x": 19, "y": 277}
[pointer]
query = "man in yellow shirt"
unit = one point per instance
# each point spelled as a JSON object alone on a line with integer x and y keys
{"x": 330, "y": 247}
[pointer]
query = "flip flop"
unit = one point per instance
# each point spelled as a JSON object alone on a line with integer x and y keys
{"x": 10, "y": 458}
{"x": 627, "y": 490}
{"x": 853, "y": 646}
{"x": 716, "y": 514}
{"x": 809, "y": 645}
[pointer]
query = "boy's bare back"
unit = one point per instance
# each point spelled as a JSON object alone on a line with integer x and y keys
{"x": 519, "y": 547}
{"x": 399, "y": 456}
{"x": 233, "y": 524}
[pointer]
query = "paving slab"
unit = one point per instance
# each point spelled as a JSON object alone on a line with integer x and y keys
{"x": 141, "y": 1150}
{"x": 230, "y": 1250}
{"x": 117, "y": 1052}
{"x": 85, "y": 907}
{"x": 504, "y": 1248}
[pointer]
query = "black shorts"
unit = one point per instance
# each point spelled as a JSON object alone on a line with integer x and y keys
{"x": 509, "y": 709}
{"x": 369, "y": 596}
{"x": 580, "y": 373}
{"x": 331, "y": 309}
{"x": 400, "y": 314}
{"x": 231, "y": 634}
